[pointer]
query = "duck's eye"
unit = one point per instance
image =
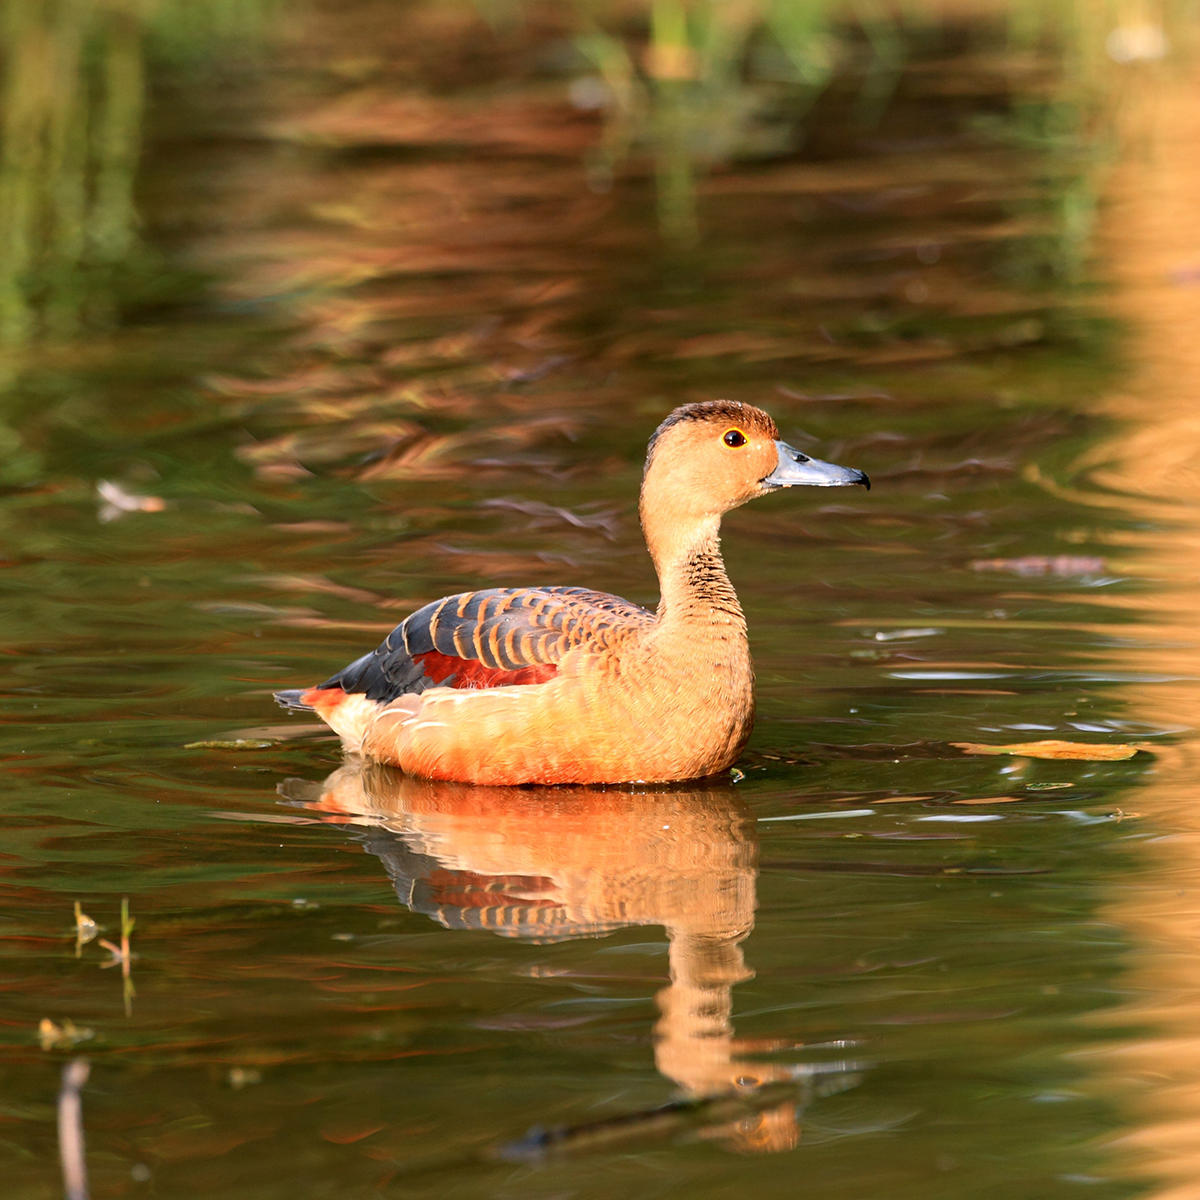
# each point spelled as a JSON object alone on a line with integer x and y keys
{"x": 734, "y": 437}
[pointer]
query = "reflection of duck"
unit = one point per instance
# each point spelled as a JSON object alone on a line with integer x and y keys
{"x": 565, "y": 685}
{"x": 551, "y": 863}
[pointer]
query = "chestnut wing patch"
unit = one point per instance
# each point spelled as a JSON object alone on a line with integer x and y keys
{"x": 491, "y": 638}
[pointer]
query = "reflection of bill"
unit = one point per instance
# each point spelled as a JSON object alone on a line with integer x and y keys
{"x": 548, "y": 863}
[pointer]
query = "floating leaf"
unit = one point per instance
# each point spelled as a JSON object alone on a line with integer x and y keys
{"x": 1083, "y": 751}
{"x": 990, "y": 799}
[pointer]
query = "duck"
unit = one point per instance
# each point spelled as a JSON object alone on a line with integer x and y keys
{"x": 565, "y": 685}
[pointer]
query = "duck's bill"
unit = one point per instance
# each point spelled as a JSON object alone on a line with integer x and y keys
{"x": 798, "y": 470}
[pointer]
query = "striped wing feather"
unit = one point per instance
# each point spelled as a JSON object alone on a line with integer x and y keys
{"x": 491, "y": 638}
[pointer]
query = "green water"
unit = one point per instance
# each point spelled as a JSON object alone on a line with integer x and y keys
{"x": 411, "y": 349}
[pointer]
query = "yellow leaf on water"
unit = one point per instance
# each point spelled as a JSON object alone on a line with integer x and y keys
{"x": 990, "y": 800}
{"x": 1083, "y": 751}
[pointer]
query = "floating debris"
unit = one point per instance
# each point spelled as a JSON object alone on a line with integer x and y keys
{"x": 122, "y": 954}
{"x": 117, "y": 502}
{"x": 231, "y": 744}
{"x": 1062, "y": 566}
{"x": 241, "y": 1077}
{"x": 85, "y": 929}
{"x": 1081, "y": 751}
{"x": 53, "y": 1036}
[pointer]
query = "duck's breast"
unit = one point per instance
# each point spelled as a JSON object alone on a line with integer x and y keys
{"x": 634, "y": 712}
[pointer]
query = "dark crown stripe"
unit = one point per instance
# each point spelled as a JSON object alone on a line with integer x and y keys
{"x": 718, "y": 412}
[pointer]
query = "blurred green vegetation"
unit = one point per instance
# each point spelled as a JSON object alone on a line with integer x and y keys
{"x": 691, "y": 84}
{"x": 73, "y": 81}
{"x": 695, "y": 82}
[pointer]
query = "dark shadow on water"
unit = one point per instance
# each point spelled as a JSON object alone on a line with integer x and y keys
{"x": 546, "y": 864}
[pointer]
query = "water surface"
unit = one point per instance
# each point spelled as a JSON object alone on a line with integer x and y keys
{"x": 423, "y": 352}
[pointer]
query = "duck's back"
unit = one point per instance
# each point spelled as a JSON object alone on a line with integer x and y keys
{"x": 497, "y": 637}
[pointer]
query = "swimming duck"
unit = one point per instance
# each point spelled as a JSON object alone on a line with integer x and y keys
{"x": 568, "y": 685}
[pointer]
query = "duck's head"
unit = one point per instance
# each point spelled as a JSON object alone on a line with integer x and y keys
{"x": 711, "y": 457}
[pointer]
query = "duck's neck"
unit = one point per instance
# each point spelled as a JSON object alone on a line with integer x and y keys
{"x": 695, "y": 587}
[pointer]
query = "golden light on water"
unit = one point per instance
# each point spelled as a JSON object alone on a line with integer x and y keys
{"x": 1151, "y": 246}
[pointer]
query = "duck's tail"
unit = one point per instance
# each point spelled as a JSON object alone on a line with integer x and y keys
{"x": 348, "y": 714}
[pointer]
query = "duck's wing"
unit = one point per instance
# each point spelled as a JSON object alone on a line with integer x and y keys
{"x": 492, "y": 638}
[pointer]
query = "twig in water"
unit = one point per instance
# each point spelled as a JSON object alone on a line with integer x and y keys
{"x": 70, "y": 1129}
{"x": 123, "y": 955}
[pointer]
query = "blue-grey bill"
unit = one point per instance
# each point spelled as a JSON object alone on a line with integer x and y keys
{"x": 796, "y": 470}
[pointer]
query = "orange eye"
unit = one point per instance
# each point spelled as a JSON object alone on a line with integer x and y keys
{"x": 734, "y": 437}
